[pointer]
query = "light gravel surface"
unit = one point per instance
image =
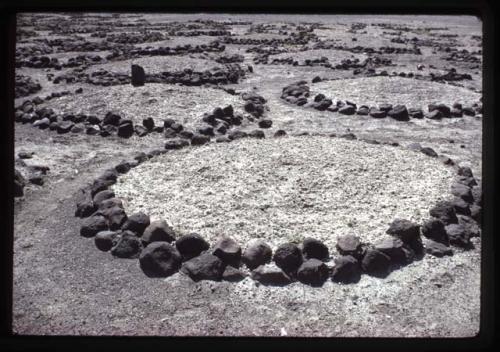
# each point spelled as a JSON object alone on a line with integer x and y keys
{"x": 184, "y": 104}
{"x": 394, "y": 90}
{"x": 286, "y": 189}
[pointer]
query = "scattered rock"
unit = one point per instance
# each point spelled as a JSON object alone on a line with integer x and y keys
{"x": 92, "y": 225}
{"x": 288, "y": 257}
{"x": 158, "y": 231}
{"x": 104, "y": 240}
{"x": 127, "y": 245}
{"x": 312, "y": 248}
{"x": 227, "y": 250}
{"x": 204, "y": 267}
{"x": 191, "y": 245}
{"x": 346, "y": 270}
{"x": 376, "y": 263}
{"x": 280, "y": 133}
{"x": 136, "y": 223}
{"x": 159, "y": 259}
{"x": 313, "y": 272}
{"x": 429, "y": 151}
{"x": 257, "y": 253}
{"x": 271, "y": 275}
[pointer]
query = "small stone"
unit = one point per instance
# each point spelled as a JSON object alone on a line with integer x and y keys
{"x": 429, "y": 151}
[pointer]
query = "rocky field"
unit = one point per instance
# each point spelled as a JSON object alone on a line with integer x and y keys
{"x": 247, "y": 175}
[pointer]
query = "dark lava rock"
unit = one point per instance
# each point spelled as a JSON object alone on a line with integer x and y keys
{"x": 204, "y": 267}
{"x": 416, "y": 113}
{"x": 279, "y": 133}
{"x": 227, "y": 250}
{"x": 191, "y": 245}
{"x": 347, "y": 110}
{"x": 396, "y": 250}
{"x": 319, "y": 97}
{"x": 206, "y": 131}
{"x": 116, "y": 217}
{"x": 168, "y": 122}
{"x": 363, "y": 110}
{"x": 101, "y": 196}
{"x": 199, "y": 139}
{"x": 112, "y": 118}
{"x": 316, "y": 79}
{"x": 435, "y": 229}
{"x": 312, "y": 248}
{"x": 176, "y": 144}
{"x": 468, "y": 181}
{"x": 429, "y": 151}
{"x": 377, "y": 113}
{"x": 169, "y": 133}
{"x": 257, "y": 253}
{"x": 313, "y": 272}
{"x": 110, "y": 203}
{"x": 237, "y": 134}
{"x": 125, "y": 129}
{"x": 136, "y": 223}
{"x": 159, "y": 259}
{"x": 140, "y": 130}
{"x": 288, "y": 257}
{"x": 399, "y": 112}
{"x": 123, "y": 167}
{"x": 228, "y": 111}
{"x": 405, "y": 230}
{"x": 376, "y": 263}
{"x": 222, "y": 139}
{"x": 42, "y": 124}
{"x": 445, "y": 211}
{"x": 476, "y": 213}
{"x": 265, "y": 123}
{"x": 84, "y": 208}
{"x": 459, "y": 235}
{"x": 437, "y": 249}
{"x": 385, "y": 107}
{"x": 92, "y": 225}
{"x": 259, "y": 134}
{"x": 443, "y": 109}
{"x": 271, "y": 275}
{"x": 465, "y": 171}
{"x": 470, "y": 225}
{"x": 346, "y": 270}
{"x": 104, "y": 240}
{"x": 232, "y": 274}
{"x": 434, "y": 115}
{"x": 138, "y": 76}
{"x": 64, "y": 127}
{"x": 148, "y": 123}
{"x": 462, "y": 191}
{"x": 177, "y": 127}
{"x": 461, "y": 206}
{"x": 98, "y": 185}
{"x": 158, "y": 231}
{"x": 127, "y": 245}
{"x": 349, "y": 245}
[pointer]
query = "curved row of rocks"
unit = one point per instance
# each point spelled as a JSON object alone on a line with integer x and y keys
{"x": 299, "y": 92}
{"x": 162, "y": 252}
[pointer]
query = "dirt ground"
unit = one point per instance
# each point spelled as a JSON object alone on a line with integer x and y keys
{"x": 63, "y": 285}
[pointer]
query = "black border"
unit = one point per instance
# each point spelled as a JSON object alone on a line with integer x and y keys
{"x": 482, "y": 9}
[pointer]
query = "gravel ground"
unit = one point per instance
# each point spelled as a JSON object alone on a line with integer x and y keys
{"x": 286, "y": 189}
{"x": 184, "y": 104}
{"x": 395, "y": 90}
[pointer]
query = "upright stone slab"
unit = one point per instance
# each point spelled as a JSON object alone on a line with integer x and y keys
{"x": 138, "y": 76}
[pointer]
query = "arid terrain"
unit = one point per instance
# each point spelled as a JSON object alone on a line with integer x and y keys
{"x": 248, "y": 127}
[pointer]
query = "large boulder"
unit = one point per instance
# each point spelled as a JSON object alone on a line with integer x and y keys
{"x": 227, "y": 250}
{"x": 399, "y": 112}
{"x": 204, "y": 267}
{"x": 349, "y": 245}
{"x": 104, "y": 240}
{"x": 158, "y": 231}
{"x": 434, "y": 229}
{"x": 257, "y": 253}
{"x": 191, "y": 245}
{"x": 138, "y": 76}
{"x": 313, "y": 272}
{"x": 127, "y": 245}
{"x": 376, "y": 263}
{"x": 312, "y": 248}
{"x": 405, "y": 230}
{"x": 270, "y": 275}
{"x": 346, "y": 270}
{"x": 288, "y": 257}
{"x": 137, "y": 223}
{"x": 159, "y": 259}
{"x": 92, "y": 225}
{"x": 444, "y": 211}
